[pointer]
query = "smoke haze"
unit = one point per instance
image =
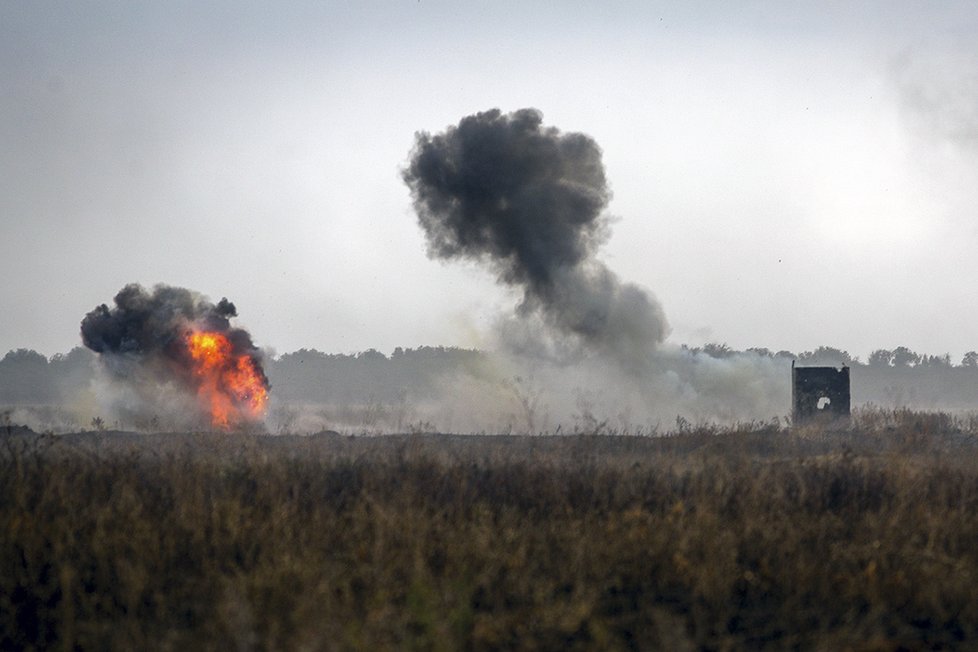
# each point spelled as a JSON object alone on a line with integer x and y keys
{"x": 528, "y": 201}
{"x": 938, "y": 93}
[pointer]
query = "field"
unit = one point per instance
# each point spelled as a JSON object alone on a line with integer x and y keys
{"x": 751, "y": 537}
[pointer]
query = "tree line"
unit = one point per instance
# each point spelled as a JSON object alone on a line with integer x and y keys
{"x": 901, "y": 357}
{"x": 897, "y": 377}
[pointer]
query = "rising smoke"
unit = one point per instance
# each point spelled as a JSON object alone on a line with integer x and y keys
{"x": 528, "y": 200}
{"x": 171, "y": 355}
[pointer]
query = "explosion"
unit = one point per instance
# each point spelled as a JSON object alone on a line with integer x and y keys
{"x": 528, "y": 200}
{"x": 230, "y": 384}
{"x": 171, "y": 354}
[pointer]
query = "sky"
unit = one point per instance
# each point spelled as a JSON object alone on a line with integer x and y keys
{"x": 784, "y": 174}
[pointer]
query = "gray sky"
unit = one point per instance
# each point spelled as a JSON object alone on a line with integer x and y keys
{"x": 785, "y": 174}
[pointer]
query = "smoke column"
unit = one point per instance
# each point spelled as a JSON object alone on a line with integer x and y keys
{"x": 527, "y": 200}
{"x": 175, "y": 351}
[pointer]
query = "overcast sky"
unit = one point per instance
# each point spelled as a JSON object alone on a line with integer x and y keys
{"x": 785, "y": 174}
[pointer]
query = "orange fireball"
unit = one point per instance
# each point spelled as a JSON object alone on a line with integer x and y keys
{"x": 230, "y": 384}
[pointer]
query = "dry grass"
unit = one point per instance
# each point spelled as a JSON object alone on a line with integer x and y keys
{"x": 743, "y": 538}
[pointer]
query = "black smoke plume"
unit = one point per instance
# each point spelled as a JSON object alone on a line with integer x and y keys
{"x": 142, "y": 342}
{"x": 528, "y": 200}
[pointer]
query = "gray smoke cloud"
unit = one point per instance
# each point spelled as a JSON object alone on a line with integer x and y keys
{"x": 142, "y": 345}
{"x": 528, "y": 200}
{"x": 146, "y": 325}
{"x": 938, "y": 93}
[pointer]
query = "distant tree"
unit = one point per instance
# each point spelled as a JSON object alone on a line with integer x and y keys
{"x": 904, "y": 357}
{"x": 936, "y": 361}
{"x": 24, "y": 358}
{"x": 715, "y": 350}
{"x": 880, "y": 358}
{"x": 371, "y": 355}
{"x": 71, "y": 372}
{"x": 311, "y": 376}
{"x": 79, "y": 354}
{"x": 25, "y": 378}
{"x": 761, "y": 351}
{"x": 303, "y": 355}
{"x": 826, "y": 355}
{"x": 970, "y": 359}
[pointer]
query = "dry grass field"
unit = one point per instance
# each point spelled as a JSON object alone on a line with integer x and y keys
{"x": 707, "y": 538}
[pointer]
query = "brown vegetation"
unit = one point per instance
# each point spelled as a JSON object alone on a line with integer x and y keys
{"x": 740, "y": 538}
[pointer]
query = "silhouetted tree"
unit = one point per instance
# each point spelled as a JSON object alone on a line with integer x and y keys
{"x": 880, "y": 358}
{"x": 826, "y": 355}
{"x": 936, "y": 361}
{"x": 715, "y": 350}
{"x": 371, "y": 355}
{"x": 904, "y": 357}
{"x": 71, "y": 372}
{"x": 24, "y": 378}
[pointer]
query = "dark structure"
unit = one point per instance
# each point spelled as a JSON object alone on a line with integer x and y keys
{"x": 820, "y": 393}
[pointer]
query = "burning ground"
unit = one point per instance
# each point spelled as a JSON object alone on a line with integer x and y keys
{"x": 170, "y": 354}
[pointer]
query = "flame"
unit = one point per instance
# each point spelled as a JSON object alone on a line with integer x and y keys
{"x": 230, "y": 384}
